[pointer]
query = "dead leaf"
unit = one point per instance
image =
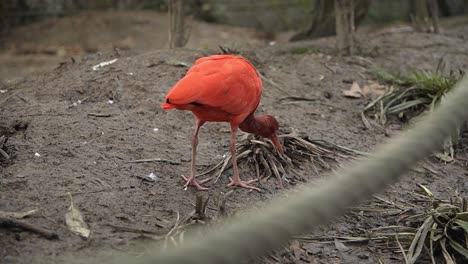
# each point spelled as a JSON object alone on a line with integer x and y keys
{"x": 301, "y": 254}
{"x": 444, "y": 156}
{"x": 74, "y": 220}
{"x": 340, "y": 246}
{"x": 296, "y": 249}
{"x": 353, "y": 92}
{"x": 18, "y": 215}
{"x": 373, "y": 88}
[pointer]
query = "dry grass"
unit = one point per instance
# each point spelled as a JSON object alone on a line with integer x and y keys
{"x": 299, "y": 151}
{"x": 434, "y": 229}
{"x": 409, "y": 96}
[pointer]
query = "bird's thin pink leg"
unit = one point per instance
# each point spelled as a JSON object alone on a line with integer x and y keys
{"x": 192, "y": 179}
{"x": 237, "y": 181}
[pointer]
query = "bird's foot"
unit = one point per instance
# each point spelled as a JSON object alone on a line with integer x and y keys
{"x": 243, "y": 184}
{"x": 195, "y": 182}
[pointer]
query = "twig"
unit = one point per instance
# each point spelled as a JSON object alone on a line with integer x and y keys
{"x": 136, "y": 230}
{"x": 99, "y": 115}
{"x": 154, "y": 160}
{"x": 221, "y": 203}
{"x": 4, "y": 154}
{"x": 211, "y": 170}
{"x": 390, "y": 203}
{"x": 3, "y": 140}
{"x": 293, "y": 99}
{"x": 40, "y": 114}
{"x": 8, "y": 97}
{"x": 272, "y": 83}
{"x": 86, "y": 192}
{"x": 329, "y": 68}
{"x": 169, "y": 234}
{"x": 401, "y": 249}
{"x": 16, "y": 224}
{"x": 200, "y": 207}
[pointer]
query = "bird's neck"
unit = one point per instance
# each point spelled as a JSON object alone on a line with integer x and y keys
{"x": 256, "y": 125}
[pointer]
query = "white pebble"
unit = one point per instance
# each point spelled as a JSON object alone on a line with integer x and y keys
{"x": 152, "y": 176}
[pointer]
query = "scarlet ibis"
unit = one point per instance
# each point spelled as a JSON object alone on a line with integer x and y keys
{"x": 223, "y": 88}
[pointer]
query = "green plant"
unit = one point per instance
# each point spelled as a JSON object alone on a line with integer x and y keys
{"x": 410, "y": 95}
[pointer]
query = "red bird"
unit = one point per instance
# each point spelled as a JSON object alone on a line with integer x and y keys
{"x": 223, "y": 88}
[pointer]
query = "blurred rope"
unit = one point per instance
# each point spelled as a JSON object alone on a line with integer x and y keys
{"x": 260, "y": 231}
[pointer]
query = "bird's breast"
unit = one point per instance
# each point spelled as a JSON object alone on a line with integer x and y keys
{"x": 211, "y": 114}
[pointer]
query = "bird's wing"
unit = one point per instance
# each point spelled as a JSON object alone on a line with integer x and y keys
{"x": 226, "y": 82}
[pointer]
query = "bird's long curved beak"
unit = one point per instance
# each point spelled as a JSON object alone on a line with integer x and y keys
{"x": 167, "y": 106}
{"x": 277, "y": 144}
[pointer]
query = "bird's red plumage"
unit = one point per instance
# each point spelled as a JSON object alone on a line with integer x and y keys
{"x": 218, "y": 88}
{"x": 223, "y": 88}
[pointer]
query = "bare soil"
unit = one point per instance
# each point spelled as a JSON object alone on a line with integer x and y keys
{"x": 85, "y": 125}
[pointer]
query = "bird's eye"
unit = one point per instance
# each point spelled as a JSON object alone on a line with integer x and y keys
{"x": 167, "y": 101}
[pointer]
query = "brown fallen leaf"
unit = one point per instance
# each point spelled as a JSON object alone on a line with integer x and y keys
{"x": 373, "y": 88}
{"x": 75, "y": 221}
{"x": 300, "y": 254}
{"x": 445, "y": 156}
{"x": 296, "y": 249}
{"x": 340, "y": 246}
{"x": 354, "y": 92}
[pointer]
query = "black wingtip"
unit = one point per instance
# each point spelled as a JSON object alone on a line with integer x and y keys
{"x": 196, "y": 103}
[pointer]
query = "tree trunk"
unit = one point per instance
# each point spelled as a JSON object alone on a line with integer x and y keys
{"x": 419, "y": 15}
{"x": 178, "y": 29}
{"x": 323, "y": 19}
{"x": 420, "y": 12}
{"x": 444, "y": 9}
{"x": 203, "y": 10}
{"x": 453, "y": 7}
{"x": 435, "y": 15}
{"x": 344, "y": 13}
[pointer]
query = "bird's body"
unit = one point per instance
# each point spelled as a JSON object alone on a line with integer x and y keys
{"x": 218, "y": 88}
{"x": 223, "y": 88}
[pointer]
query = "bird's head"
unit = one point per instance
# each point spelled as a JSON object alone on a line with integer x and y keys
{"x": 271, "y": 131}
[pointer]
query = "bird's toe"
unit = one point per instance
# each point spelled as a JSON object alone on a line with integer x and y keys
{"x": 195, "y": 182}
{"x": 244, "y": 184}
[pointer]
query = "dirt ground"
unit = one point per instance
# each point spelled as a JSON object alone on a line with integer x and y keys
{"x": 74, "y": 129}
{"x": 39, "y": 47}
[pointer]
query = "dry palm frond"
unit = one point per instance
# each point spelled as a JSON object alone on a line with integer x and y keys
{"x": 441, "y": 230}
{"x": 263, "y": 157}
{"x": 438, "y": 229}
{"x": 444, "y": 229}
